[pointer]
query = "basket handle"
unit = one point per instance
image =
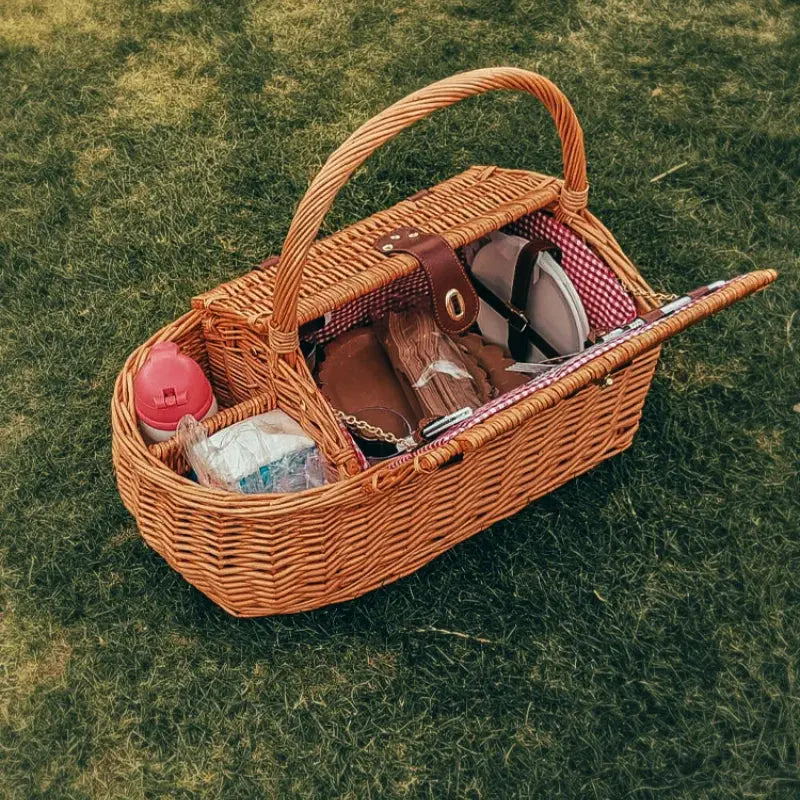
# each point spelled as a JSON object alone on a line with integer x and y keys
{"x": 371, "y": 135}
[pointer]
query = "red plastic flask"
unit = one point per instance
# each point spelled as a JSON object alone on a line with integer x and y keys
{"x": 169, "y": 386}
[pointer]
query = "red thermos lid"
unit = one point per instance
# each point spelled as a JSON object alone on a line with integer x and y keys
{"x": 170, "y": 385}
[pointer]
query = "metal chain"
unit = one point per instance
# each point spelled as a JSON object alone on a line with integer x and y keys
{"x": 373, "y": 431}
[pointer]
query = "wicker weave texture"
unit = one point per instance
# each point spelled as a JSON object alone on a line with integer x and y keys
{"x": 257, "y": 555}
{"x": 285, "y": 558}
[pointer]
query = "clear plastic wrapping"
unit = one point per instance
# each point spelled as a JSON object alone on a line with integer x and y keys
{"x": 266, "y": 453}
{"x": 441, "y": 366}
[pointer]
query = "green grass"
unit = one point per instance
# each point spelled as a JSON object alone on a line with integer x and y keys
{"x": 642, "y": 622}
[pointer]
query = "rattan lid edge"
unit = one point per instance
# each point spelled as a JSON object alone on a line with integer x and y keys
{"x": 467, "y": 195}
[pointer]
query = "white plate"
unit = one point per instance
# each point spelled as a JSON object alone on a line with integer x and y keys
{"x": 554, "y": 308}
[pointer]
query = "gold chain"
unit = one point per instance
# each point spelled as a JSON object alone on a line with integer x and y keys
{"x": 373, "y": 430}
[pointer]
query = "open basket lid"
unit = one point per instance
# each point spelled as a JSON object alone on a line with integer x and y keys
{"x": 594, "y": 364}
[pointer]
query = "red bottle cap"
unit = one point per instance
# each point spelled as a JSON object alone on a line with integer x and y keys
{"x": 169, "y": 386}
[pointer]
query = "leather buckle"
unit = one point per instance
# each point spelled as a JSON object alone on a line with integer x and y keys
{"x": 454, "y": 301}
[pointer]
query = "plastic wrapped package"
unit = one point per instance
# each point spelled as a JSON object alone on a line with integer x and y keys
{"x": 266, "y": 453}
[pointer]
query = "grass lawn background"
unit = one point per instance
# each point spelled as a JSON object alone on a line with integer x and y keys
{"x": 642, "y": 621}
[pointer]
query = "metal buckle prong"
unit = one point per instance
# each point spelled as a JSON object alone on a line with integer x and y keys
{"x": 517, "y": 320}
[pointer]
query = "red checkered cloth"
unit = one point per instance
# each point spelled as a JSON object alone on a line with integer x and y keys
{"x": 397, "y": 296}
{"x": 606, "y": 304}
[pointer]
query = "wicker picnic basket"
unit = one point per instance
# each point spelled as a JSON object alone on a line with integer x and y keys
{"x": 258, "y": 555}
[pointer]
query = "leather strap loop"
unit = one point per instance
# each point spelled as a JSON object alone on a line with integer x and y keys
{"x": 455, "y": 304}
{"x": 524, "y": 274}
{"x": 520, "y": 333}
{"x": 517, "y": 321}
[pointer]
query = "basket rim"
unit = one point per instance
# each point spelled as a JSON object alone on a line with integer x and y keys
{"x": 125, "y": 431}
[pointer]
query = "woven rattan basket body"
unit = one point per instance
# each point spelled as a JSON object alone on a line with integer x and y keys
{"x": 267, "y": 554}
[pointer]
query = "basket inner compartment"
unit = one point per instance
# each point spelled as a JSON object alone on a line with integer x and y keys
{"x": 605, "y": 301}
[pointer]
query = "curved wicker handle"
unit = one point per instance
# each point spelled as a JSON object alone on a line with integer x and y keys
{"x": 372, "y": 134}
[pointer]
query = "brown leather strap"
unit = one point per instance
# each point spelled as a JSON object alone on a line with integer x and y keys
{"x": 652, "y": 316}
{"x": 455, "y": 304}
{"x": 673, "y": 305}
{"x": 517, "y": 321}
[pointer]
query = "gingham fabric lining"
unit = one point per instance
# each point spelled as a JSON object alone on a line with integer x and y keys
{"x": 606, "y": 304}
{"x": 527, "y": 389}
{"x": 605, "y": 301}
{"x": 395, "y": 297}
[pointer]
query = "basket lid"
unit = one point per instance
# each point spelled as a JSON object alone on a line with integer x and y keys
{"x": 460, "y": 209}
{"x": 170, "y": 385}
